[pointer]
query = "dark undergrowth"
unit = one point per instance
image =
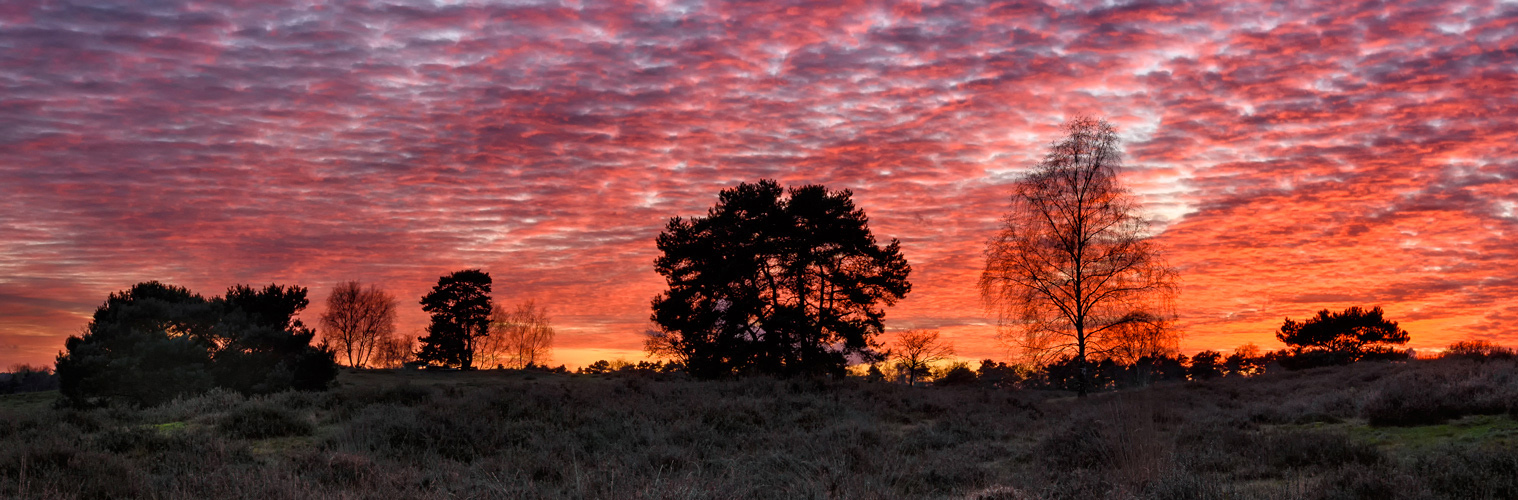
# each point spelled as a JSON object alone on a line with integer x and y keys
{"x": 1424, "y": 429}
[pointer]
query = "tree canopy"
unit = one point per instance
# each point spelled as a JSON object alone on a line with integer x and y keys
{"x": 775, "y": 281}
{"x": 155, "y": 341}
{"x": 1351, "y": 334}
{"x": 1072, "y": 271}
{"x": 460, "y": 305}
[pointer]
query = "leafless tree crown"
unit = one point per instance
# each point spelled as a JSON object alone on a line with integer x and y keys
{"x": 1072, "y": 271}
{"x": 357, "y": 319}
{"x": 916, "y": 350}
{"x": 519, "y": 337}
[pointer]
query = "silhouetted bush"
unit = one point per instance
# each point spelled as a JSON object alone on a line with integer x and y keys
{"x": 959, "y": 374}
{"x": 154, "y": 342}
{"x": 1480, "y": 350}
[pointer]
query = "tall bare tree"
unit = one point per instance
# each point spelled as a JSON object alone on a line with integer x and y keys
{"x": 1072, "y": 271}
{"x": 357, "y": 319}
{"x": 916, "y": 350}
{"x": 519, "y": 337}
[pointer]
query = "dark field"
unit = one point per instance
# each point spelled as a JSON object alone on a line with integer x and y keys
{"x": 1444, "y": 429}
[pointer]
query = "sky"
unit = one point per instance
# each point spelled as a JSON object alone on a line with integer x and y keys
{"x": 1294, "y": 156}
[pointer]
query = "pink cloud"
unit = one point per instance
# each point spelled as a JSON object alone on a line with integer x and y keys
{"x": 1325, "y": 155}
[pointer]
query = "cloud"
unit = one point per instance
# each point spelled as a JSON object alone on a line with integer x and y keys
{"x": 1322, "y": 155}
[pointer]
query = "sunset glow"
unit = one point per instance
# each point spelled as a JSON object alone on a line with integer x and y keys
{"x": 1295, "y": 157}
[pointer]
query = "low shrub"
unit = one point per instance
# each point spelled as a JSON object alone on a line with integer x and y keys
{"x": 1484, "y": 472}
{"x": 263, "y": 421}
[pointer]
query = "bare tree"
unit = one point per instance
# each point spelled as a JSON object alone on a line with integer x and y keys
{"x": 917, "y": 350}
{"x": 394, "y": 351}
{"x": 519, "y": 337}
{"x": 357, "y": 318}
{"x": 1072, "y": 271}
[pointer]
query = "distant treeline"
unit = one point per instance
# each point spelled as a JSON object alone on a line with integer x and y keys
{"x": 1107, "y": 374}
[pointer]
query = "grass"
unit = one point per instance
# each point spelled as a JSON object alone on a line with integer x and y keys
{"x": 491, "y": 434}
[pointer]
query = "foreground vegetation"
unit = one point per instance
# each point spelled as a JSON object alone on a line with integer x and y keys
{"x": 1421, "y": 429}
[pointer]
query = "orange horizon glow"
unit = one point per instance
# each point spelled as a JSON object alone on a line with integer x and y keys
{"x": 1327, "y": 155}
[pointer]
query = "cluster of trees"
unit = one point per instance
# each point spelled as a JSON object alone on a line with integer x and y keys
{"x": 789, "y": 282}
{"x": 771, "y": 281}
{"x": 27, "y": 378}
{"x": 467, "y": 328}
{"x": 154, "y": 341}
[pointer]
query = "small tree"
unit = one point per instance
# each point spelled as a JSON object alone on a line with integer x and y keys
{"x": 1206, "y": 365}
{"x": 1072, "y": 274}
{"x": 1345, "y": 336}
{"x": 460, "y": 306}
{"x": 917, "y": 350}
{"x": 357, "y": 319}
{"x": 394, "y": 351}
{"x": 519, "y": 337}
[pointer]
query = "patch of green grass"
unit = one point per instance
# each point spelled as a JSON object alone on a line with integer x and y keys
{"x": 1497, "y": 430}
{"x": 169, "y": 427}
{"x": 28, "y": 401}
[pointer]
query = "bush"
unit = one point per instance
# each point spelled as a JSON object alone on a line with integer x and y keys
{"x": 959, "y": 374}
{"x": 1475, "y": 473}
{"x": 263, "y": 421}
{"x": 1480, "y": 350}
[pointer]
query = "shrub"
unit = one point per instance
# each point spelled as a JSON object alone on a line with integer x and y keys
{"x": 1480, "y": 350}
{"x": 959, "y": 374}
{"x": 1358, "y": 481}
{"x": 262, "y": 421}
{"x": 1474, "y": 473}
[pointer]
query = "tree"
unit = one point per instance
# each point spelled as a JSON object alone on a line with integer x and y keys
{"x": 1478, "y": 349}
{"x": 1345, "y": 336}
{"x": 264, "y": 348}
{"x": 1206, "y": 365}
{"x": 460, "y": 306}
{"x": 394, "y": 351}
{"x": 357, "y": 319}
{"x": 777, "y": 284}
{"x": 153, "y": 342}
{"x": 1072, "y": 272}
{"x": 519, "y": 337}
{"x": 917, "y": 350}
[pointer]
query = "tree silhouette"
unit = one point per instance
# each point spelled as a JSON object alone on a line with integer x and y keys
{"x": 916, "y": 350}
{"x": 1072, "y": 272}
{"x": 1206, "y": 365}
{"x": 1347, "y": 336}
{"x": 519, "y": 337}
{"x": 144, "y": 345}
{"x": 357, "y": 319}
{"x": 775, "y": 284}
{"x": 460, "y": 306}
{"x": 152, "y": 342}
{"x": 264, "y": 348}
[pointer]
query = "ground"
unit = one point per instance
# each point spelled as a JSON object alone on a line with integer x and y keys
{"x": 504, "y": 434}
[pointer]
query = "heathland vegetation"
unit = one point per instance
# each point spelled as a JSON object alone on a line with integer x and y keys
{"x": 773, "y": 376}
{"x": 1442, "y": 428}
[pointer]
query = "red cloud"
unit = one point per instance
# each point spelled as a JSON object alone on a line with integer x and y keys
{"x": 1332, "y": 154}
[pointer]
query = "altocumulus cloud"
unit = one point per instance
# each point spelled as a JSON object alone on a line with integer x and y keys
{"x": 1320, "y": 154}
